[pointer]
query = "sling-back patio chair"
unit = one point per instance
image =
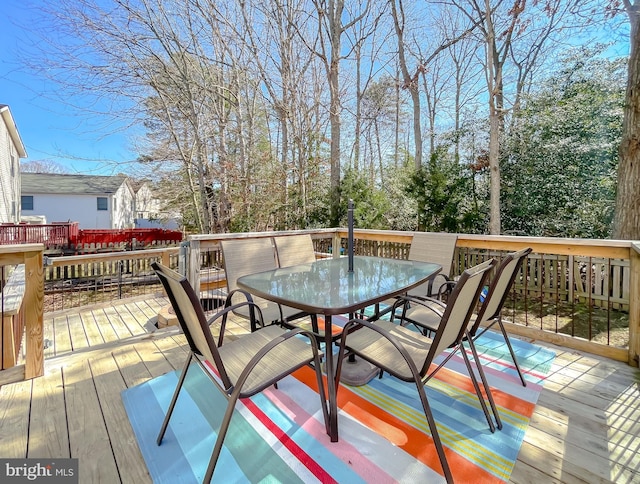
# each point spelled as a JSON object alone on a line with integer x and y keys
{"x": 248, "y": 256}
{"x": 245, "y": 366}
{"x": 438, "y": 248}
{"x": 294, "y": 249}
{"x": 408, "y": 354}
{"x": 500, "y": 287}
{"x": 491, "y": 311}
{"x": 425, "y": 313}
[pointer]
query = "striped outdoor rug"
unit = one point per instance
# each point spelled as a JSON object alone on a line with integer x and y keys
{"x": 279, "y": 436}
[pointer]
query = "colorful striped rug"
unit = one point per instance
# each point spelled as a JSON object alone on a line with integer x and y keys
{"x": 278, "y": 436}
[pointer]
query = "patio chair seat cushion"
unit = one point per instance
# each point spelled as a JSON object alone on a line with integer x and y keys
{"x": 236, "y": 356}
{"x": 428, "y": 318}
{"x": 370, "y": 344}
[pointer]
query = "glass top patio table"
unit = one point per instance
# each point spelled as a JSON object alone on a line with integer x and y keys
{"x": 327, "y": 287}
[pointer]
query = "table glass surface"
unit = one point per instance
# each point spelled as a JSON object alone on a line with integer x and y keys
{"x": 327, "y": 287}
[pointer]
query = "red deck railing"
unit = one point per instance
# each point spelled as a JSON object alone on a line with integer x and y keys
{"x": 68, "y": 236}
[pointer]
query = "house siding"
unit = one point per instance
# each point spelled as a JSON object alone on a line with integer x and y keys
{"x": 147, "y": 206}
{"x": 71, "y": 208}
{"x": 74, "y": 198}
{"x": 9, "y": 177}
{"x": 123, "y": 214}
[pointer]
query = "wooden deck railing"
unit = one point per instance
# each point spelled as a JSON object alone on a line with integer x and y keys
{"x": 79, "y": 280}
{"x": 30, "y": 310}
{"x": 565, "y": 283}
{"x": 577, "y": 293}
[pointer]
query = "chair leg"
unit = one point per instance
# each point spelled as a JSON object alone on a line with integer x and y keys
{"x": 434, "y": 433}
{"x": 474, "y": 380}
{"x": 222, "y": 432}
{"x": 513, "y": 355}
{"x": 314, "y": 323}
{"x": 163, "y": 429}
{"x": 322, "y": 392}
{"x": 483, "y": 377}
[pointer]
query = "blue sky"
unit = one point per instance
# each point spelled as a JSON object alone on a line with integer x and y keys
{"x": 51, "y": 130}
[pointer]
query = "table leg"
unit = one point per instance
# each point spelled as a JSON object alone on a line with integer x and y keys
{"x": 331, "y": 381}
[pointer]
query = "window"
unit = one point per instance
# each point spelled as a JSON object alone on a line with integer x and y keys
{"x": 26, "y": 201}
{"x": 103, "y": 203}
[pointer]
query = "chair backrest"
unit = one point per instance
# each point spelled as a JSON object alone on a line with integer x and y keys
{"x": 460, "y": 306}
{"x": 438, "y": 248}
{"x": 499, "y": 287}
{"x": 191, "y": 317}
{"x": 294, "y": 249}
{"x": 246, "y": 256}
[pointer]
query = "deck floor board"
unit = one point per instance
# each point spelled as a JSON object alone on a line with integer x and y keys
{"x": 584, "y": 427}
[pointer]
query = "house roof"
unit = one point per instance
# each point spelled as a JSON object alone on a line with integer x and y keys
{"x": 5, "y": 113}
{"x": 71, "y": 184}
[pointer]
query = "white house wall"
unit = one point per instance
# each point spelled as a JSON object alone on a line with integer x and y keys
{"x": 147, "y": 206}
{"x": 74, "y": 208}
{"x": 123, "y": 214}
{"x": 9, "y": 178}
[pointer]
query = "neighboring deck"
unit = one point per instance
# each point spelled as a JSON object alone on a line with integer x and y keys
{"x": 584, "y": 429}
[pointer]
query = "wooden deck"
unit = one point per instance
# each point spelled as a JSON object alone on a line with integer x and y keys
{"x": 585, "y": 427}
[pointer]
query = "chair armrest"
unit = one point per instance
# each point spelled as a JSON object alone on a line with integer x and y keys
{"x": 446, "y": 288}
{"x": 423, "y": 300}
{"x": 249, "y": 299}
{"x": 224, "y": 313}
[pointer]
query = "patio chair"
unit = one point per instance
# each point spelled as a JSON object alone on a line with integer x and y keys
{"x": 490, "y": 311}
{"x": 408, "y": 354}
{"x": 500, "y": 287}
{"x": 438, "y": 248}
{"x": 426, "y": 316}
{"x": 294, "y": 249}
{"x": 243, "y": 367}
{"x": 248, "y": 256}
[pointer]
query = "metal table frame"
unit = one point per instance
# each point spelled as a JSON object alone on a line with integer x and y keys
{"x": 327, "y": 287}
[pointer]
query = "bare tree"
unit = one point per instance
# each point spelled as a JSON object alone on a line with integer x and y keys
{"x": 42, "y": 166}
{"x": 514, "y": 31}
{"x": 411, "y": 78}
{"x": 331, "y": 14}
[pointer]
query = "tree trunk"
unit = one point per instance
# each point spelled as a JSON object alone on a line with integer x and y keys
{"x": 627, "y": 218}
{"x": 358, "y": 126}
{"x": 409, "y": 82}
{"x": 335, "y": 25}
{"x": 494, "y": 85}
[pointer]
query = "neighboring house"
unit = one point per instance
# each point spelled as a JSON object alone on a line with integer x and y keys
{"x": 147, "y": 205}
{"x": 95, "y": 202}
{"x": 149, "y": 210}
{"x": 11, "y": 150}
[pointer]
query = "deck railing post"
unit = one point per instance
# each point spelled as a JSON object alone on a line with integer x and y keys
{"x": 193, "y": 268}
{"x": 166, "y": 258}
{"x": 34, "y": 307}
{"x": 634, "y": 305}
{"x": 336, "y": 244}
